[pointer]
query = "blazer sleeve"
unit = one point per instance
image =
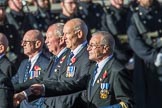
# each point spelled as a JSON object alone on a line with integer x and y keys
{"x": 123, "y": 88}
{"x": 23, "y": 86}
{"x": 55, "y": 88}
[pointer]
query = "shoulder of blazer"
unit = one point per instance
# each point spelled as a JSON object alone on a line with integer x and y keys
{"x": 116, "y": 65}
{"x": 44, "y": 57}
{"x": 83, "y": 53}
{"x": 4, "y": 59}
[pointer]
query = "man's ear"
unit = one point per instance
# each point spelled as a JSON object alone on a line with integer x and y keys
{"x": 80, "y": 34}
{"x": 106, "y": 49}
{"x": 38, "y": 44}
{"x": 61, "y": 41}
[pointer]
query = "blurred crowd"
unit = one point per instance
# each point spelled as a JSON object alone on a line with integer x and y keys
{"x": 136, "y": 28}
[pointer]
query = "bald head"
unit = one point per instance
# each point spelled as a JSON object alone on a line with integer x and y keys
{"x": 3, "y": 43}
{"x": 78, "y": 24}
{"x": 34, "y": 35}
{"x": 32, "y": 42}
{"x": 3, "y": 40}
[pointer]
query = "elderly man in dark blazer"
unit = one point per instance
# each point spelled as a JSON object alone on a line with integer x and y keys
{"x": 109, "y": 84}
{"x": 57, "y": 46}
{"x": 5, "y": 65}
{"x": 76, "y": 63}
{"x": 7, "y": 70}
{"x": 32, "y": 44}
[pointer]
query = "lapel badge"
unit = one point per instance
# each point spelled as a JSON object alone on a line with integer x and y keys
{"x": 98, "y": 81}
{"x": 62, "y": 59}
{"x": 105, "y": 74}
{"x": 56, "y": 70}
{"x": 73, "y": 60}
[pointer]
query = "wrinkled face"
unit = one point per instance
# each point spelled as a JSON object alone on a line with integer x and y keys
{"x": 145, "y": 3}
{"x": 70, "y": 36}
{"x": 95, "y": 49}
{"x": 28, "y": 44}
{"x": 2, "y": 14}
{"x": 52, "y": 42}
{"x": 16, "y": 5}
{"x": 70, "y": 6}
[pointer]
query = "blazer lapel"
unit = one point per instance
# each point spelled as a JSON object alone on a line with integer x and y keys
{"x": 90, "y": 82}
{"x": 49, "y": 67}
{"x": 22, "y": 71}
{"x": 60, "y": 64}
{"x": 106, "y": 69}
{"x": 76, "y": 59}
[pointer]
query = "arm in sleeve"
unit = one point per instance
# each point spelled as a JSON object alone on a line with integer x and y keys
{"x": 139, "y": 46}
{"x": 54, "y": 88}
{"x": 123, "y": 89}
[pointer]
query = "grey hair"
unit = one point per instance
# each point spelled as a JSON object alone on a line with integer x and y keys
{"x": 59, "y": 30}
{"x": 107, "y": 39}
{"x": 81, "y": 25}
{"x": 38, "y": 35}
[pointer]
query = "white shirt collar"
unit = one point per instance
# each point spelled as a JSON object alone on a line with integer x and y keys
{"x": 61, "y": 52}
{"x": 79, "y": 48}
{"x": 34, "y": 59}
{"x": 2, "y": 55}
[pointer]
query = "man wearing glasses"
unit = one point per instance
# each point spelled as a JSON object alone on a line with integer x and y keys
{"x": 108, "y": 84}
{"x": 7, "y": 70}
{"x": 32, "y": 44}
{"x": 75, "y": 64}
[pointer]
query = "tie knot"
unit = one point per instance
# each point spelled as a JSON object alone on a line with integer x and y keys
{"x": 96, "y": 67}
{"x": 71, "y": 55}
{"x": 55, "y": 58}
{"x": 28, "y": 64}
{"x": 95, "y": 70}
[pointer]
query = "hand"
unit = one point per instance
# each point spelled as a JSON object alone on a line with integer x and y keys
{"x": 18, "y": 98}
{"x": 15, "y": 103}
{"x": 37, "y": 89}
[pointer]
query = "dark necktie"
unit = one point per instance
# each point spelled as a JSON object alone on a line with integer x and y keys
{"x": 93, "y": 78}
{"x": 94, "y": 74}
{"x": 69, "y": 59}
{"x": 28, "y": 65}
{"x": 55, "y": 62}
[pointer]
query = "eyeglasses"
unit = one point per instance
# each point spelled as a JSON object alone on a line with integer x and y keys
{"x": 94, "y": 45}
{"x": 25, "y": 42}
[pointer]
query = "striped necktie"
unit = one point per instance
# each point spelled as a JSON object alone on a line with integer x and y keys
{"x": 55, "y": 62}
{"x": 28, "y": 65}
{"x": 69, "y": 59}
{"x": 94, "y": 75}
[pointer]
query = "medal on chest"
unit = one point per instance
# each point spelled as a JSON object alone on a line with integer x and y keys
{"x": 70, "y": 71}
{"x": 35, "y": 72}
{"x": 104, "y": 92}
